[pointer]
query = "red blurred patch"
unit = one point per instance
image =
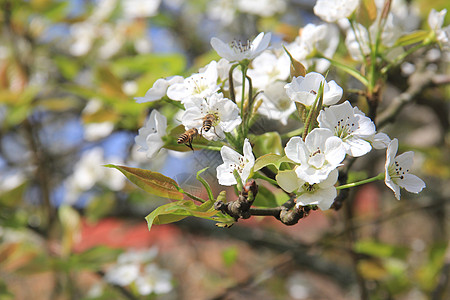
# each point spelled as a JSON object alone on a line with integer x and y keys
{"x": 367, "y": 200}
{"x": 118, "y": 233}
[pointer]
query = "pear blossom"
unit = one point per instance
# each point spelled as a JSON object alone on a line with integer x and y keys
{"x": 122, "y": 274}
{"x": 200, "y": 84}
{"x": 150, "y": 136}
{"x": 397, "y": 171}
{"x": 333, "y": 10}
{"x": 238, "y": 51}
{"x": 268, "y": 68}
{"x": 321, "y": 194}
{"x": 318, "y": 155}
{"x": 235, "y": 161}
{"x": 435, "y": 21}
{"x": 159, "y": 89}
{"x": 350, "y": 125}
{"x": 154, "y": 280}
{"x": 276, "y": 105}
{"x": 304, "y": 89}
{"x": 140, "y": 9}
{"x": 225, "y": 112}
{"x": 358, "y": 41}
{"x": 263, "y": 8}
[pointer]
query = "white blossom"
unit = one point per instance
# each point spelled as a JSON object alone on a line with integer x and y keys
{"x": 397, "y": 171}
{"x": 350, "y": 125}
{"x": 359, "y": 41}
{"x": 333, "y": 10}
{"x": 150, "y": 136}
{"x": 140, "y": 8}
{"x": 201, "y": 84}
{"x": 224, "y": 111}
{"x": 122, "y": 274}
{"x": 268, "y": 68}
{"x": 304, "y": 89}
{"x": 159, "y": 89}
{"x": 264, "y": 8}
{"x": 321, "y": 194}
{"x": 318, "y": 155}
{"x": 276, "y": 105}
{"x": 238, "y": 51}
{"x": 235, "y": 161}
{"x": 435, "y": 21}
{"x": 154, "y": 280}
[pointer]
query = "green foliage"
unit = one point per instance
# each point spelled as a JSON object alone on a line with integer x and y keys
{"x": 230, "y": 256}
{"x": 151, "y": 182}
{"x": 179, "y": 210}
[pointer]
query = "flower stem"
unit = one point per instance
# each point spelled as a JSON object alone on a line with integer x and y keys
{"x": 401, "y": 57}
{"x": 259, "y": 176}
{"x": 347, "y": 69}
{"x": 353, "y": 184}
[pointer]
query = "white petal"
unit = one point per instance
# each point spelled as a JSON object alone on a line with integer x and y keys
{"x": 390, "y": 184}
{"x": 405, "y": 160}
{"x": 288, "y": 180}
{"x": 391, "y": 152}
{"x": 225, "y": 175}
{"x": 248, "y": 154}
{"x": 334, "y": 150}
{"x": 229, "y": 155}
{"x": 357, "y": 147}
{"x": 411, "y": 183}
{"x": 331, "y": 179}
{"x": 178, "y": 91}
{"x": 321, "y": 197}
{"x": 317, "y": 138}
{"x": 292, "y": 149}
{"x": 222, "y": 49}
{"x": 333, "y": 95}
{"x": 261, "y": 42}
{"x": 380, "y": 141}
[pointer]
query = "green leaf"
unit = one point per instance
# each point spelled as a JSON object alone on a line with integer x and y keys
{"x": 205, "y": 184}
{"x": 378, "y": 249}
{"x": 265, "y": 198}
{"x": 179, "y": 210}
{"x": 158, "y": 65}
{"x": 69, "y": 67}
{"x": 270, "y": 159}
{"x": 269, "y": 142}
{"x": 230, "y": 256}
{"x": 412, "y": 38}
{"x": 152, "y": 182}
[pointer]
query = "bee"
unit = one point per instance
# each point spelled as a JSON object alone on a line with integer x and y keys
{"x": 208, "y": 122}
{"x": 187, "y": 137}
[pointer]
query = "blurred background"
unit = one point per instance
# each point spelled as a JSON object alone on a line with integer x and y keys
{"x": 73, "y": 229}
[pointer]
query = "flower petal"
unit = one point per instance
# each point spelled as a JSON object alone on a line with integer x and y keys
{"x": 412, "y": 183}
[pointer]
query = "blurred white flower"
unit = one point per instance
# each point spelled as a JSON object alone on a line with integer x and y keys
{"x": 359, "y": 41}
{"x": 201, "y": 84}
{"x": 235, "y": 161}
{"x": 238, "y": 51}
{"x": 333, "y": 10}
{"x": 304, "y": 89}
{"x": 96, "y": 131}
{"x": 224, "y": 112}
{"x": 318, "y": 155}
{"x": 350, "y": 125}
{"x": 159, "y": 89}
{"x": 263, "y": 8}
{"x": 397, "y": 171}
{"x": 123, "y": 274}
{"x": 150, "y": 136}
{"x": 268, "y": 68}
{"x": 323, "y": 38}
{"x": 276, "y": 104}
{"x": 321, "y": 194}
{"x": 154, "y": 280}
{"x": 83, "y": 35}
{"x": 435, "y": 21}
{"x": 137, "y": 256}
{"x": 140, "y": 8}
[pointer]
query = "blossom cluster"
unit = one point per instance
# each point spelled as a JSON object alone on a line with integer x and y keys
{"x": 254, "y": 80}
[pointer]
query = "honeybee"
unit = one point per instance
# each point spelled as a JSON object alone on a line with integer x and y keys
{"x": 187, "y": 137}
{"x": 208, "y": 122}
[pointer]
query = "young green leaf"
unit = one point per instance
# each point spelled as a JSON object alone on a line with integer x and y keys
{"x": 152, "y": 182}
